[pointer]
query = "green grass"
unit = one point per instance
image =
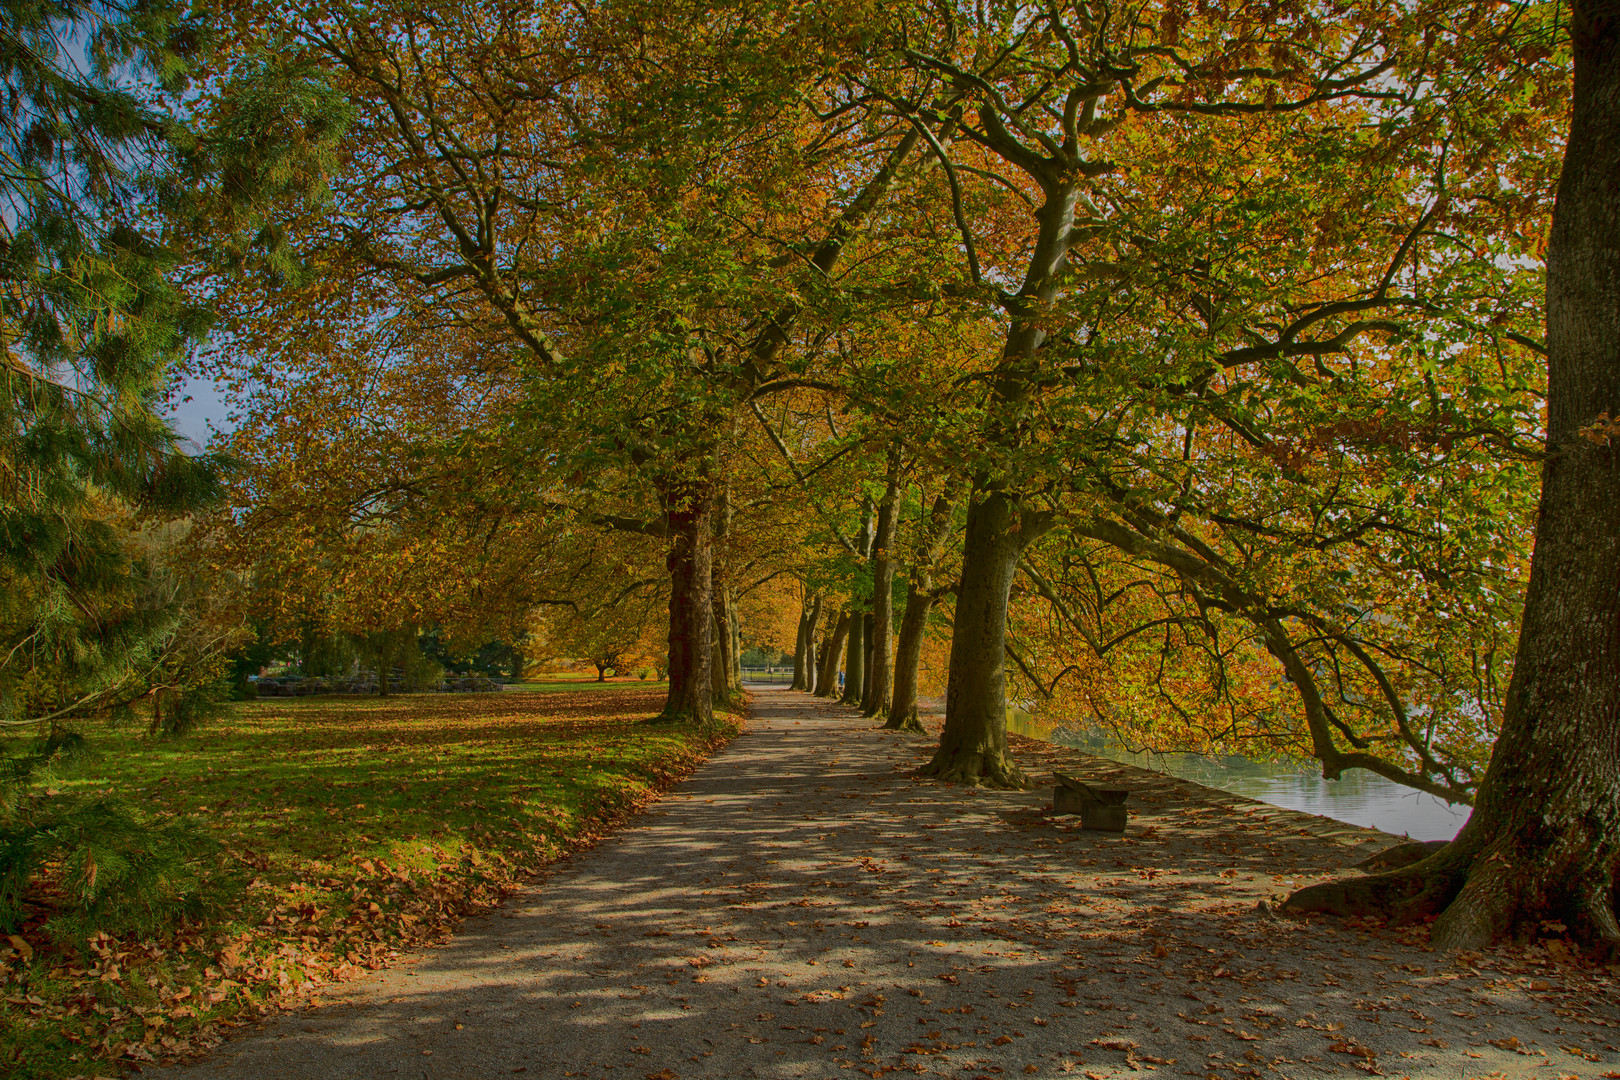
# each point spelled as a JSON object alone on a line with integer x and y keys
{"x": 349, "y": 827}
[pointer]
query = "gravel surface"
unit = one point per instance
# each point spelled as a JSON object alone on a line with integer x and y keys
{"x": 802, "y": 907}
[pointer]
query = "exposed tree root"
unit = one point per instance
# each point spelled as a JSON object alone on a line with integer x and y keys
{"x": 1475, "y": 898}
{"x": 678, "y": 718}
{"x": 972, "y": 768}
{"x": 907, "y": 721}
{"x": 1394, "y": 858}
{"x": 1398, "y": 895}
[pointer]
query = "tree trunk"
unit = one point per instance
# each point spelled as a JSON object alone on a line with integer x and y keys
{"x": 855, "y": 660}
{"x": 920, "y": 597}
{"x": 717, "y": 658}
{"x": 878, "y": 681}
{"x": 691, "y": 606}
{"x": 1544, "y": 839}
{"x": 734, "y": 625}
{"x": 804, "y": 661}
{"x": 385, "y": 663}
{"x": 601, "y": 672}
{"x": 973, "y": 745}
{"x": 907, "y": 654}
{"x": 827, "y": 678}
{"x": 725, "y": 673}
{"x": 810, "y": 646}
{"x": 801, "y": 646}
{"x": 880, "y": 635}
{"x": 866, "y": 663}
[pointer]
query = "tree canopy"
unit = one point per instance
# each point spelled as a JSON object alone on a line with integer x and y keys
{"x": 1175, "y": 372}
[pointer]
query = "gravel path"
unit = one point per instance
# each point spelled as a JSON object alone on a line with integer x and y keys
{"x": 802, "y": 908}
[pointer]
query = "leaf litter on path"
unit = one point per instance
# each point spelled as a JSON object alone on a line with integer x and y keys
{"x": 991, "y": 938}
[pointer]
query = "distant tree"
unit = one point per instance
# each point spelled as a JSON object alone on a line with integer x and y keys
{"x": 613, "y": 637}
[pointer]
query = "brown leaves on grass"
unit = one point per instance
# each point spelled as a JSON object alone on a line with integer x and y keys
{"x": 311, "y": 917}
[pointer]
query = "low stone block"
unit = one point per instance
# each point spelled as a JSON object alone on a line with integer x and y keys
{"x": 1099, "y": 808}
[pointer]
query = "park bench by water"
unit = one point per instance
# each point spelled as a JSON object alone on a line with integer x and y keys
{"x": 1359, "y": 798}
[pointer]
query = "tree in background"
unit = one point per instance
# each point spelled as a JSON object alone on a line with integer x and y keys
{"x": 616, "y": 636}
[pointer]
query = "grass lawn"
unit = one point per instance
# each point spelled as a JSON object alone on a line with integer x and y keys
{"x": 348, "y": 828}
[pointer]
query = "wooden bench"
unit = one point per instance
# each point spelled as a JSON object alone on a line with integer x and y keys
{"x": 1099, "y": 808}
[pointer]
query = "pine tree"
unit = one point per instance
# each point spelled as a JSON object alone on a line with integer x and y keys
{"x": 91, "y": 322}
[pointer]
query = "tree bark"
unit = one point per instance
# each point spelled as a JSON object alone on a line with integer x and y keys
{"x": 801, "y": 645}
{"x": 867, "y": 639}
{"x": 920, "y": 597}
{"x": 827, "y": 677}
{"x": 1543, "y": 842}
{"x": 973, "y": 745}
{"x": 726, "y": 671}
{"x": 734, "y": 622}
{"x": 855, "y": 660}
{"x": 691, "y": 605}
{"x": 876, "y": 701}
{"x": 719, "y": 667}
{"x": 809, "y": 683}
{"x": 907, "y": 654}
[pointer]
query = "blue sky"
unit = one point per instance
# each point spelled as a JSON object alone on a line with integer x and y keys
{"x": 205, "y": 405}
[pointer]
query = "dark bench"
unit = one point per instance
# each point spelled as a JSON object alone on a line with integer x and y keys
{"x": 1099, "y": 808}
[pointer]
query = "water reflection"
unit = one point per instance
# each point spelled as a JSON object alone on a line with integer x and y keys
{"x": 1359, "y": 798}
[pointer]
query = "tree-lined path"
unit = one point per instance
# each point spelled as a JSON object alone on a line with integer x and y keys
{"x": 803, "y": 907}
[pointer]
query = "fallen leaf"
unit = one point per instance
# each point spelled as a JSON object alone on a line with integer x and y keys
{"x": 1352, "y": 1048}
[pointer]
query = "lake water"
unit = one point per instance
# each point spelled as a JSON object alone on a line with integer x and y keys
{"x": 1359, "y": 798}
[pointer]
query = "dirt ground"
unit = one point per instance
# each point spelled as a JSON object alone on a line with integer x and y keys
{"x": 803, "y": 907}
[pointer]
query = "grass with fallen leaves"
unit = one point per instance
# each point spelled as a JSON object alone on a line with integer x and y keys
{"x": 349, "y": 828}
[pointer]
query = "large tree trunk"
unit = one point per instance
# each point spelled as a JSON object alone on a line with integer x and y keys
{"x": 907, "y": 654}
{"x": 868, "y": 639}
{"x": 801, "y": 646}
{"x": 719, "y": 662}
{"x": 973, "y": 745}
{"x": 876, "y": 700}
{"x": 855, "y": 660}
{"x": 1544, "y": 839}
{"x": 809, "y": 684}
{"x": 920, "y": 597}
{"x": 726, "y": 672}
{"x": 827, "y": 677}
{"x": 734, "y": 626}
{"x": 691, "y": 606}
